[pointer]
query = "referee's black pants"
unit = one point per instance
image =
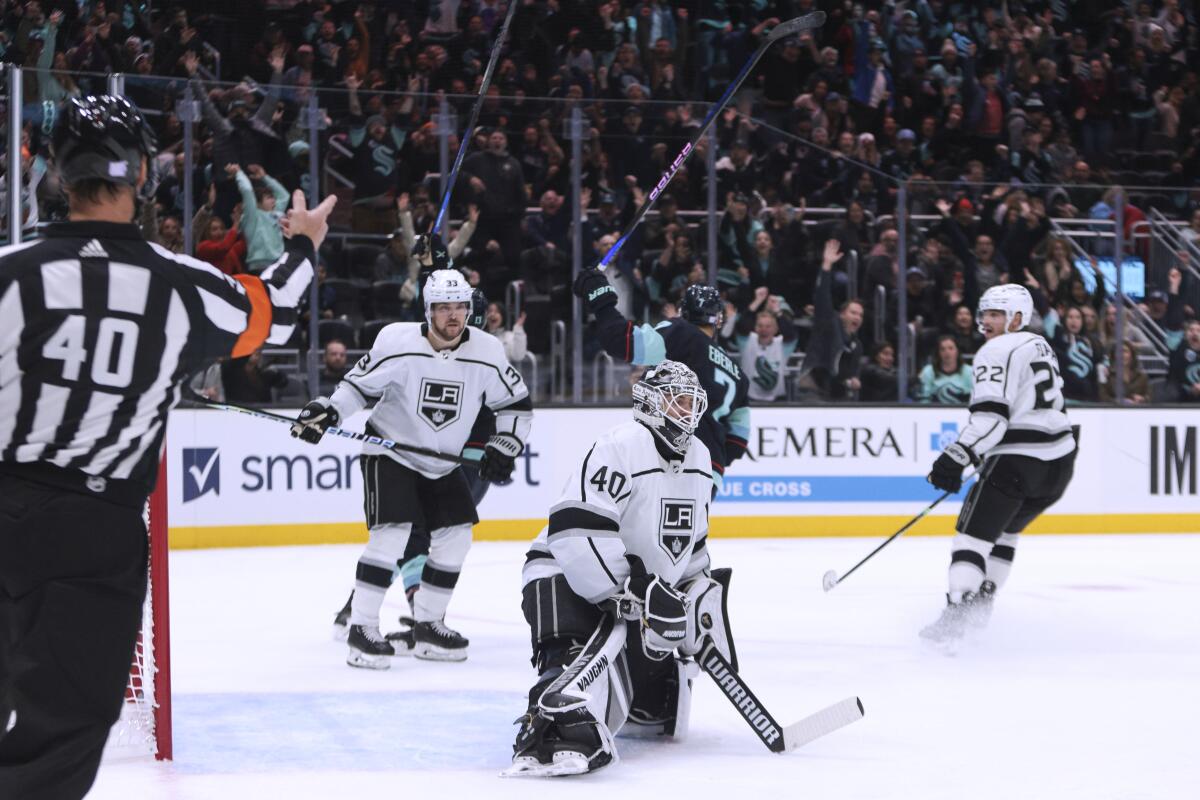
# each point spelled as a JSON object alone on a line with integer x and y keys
{"x": 72, "y": 585}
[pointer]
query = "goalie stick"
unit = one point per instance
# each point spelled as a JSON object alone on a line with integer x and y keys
{"x": 777, "y": 738}
{"x": 790, "y": 28}
{"x": 466, "y": 139}
{"x": 334, "y": 431}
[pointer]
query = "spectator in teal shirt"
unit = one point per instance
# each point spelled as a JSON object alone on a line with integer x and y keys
{"x": 945, "y": 379}
{"x": 263, "y": 206}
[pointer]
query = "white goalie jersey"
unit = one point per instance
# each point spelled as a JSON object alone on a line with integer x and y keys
{"x": 1017, "y": 404}
{"x": 430, "y": 398}
{"x": 625, "y": 498}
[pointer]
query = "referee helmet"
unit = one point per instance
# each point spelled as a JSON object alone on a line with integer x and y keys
{"x": 101, "y": 137}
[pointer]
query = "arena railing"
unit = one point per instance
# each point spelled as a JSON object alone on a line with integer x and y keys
{"x": 315, "y": 114}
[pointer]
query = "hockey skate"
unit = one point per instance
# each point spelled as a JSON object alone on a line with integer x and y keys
{"x": 956, "y": 618}
{"x": 368, "y": 649}
{"x": 433, "y": 641}
{"x": 546, "y": 749}
{"x": 341, "y": 621}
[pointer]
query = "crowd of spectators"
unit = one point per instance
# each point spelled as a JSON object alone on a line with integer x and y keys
{"x": 996, "y": 117}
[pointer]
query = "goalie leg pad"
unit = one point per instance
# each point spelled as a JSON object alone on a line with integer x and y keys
{"x": 581, "y": 697}
{"x": 708, "y": 615}
{"x": 662, "y": 698}
{"x": 555, "y": 615}
{"x": 376, "y": 570}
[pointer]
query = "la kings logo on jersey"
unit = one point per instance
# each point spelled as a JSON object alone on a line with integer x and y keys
{"x": 439, "y": 402}
{"x": 676, "y": 521}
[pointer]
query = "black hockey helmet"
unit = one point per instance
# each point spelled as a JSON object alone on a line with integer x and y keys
{"x": 104, "y": 137}
{"x": 479, "y": 306}
{"x": 702, "y": 305}
{"x": 429, "y": 250}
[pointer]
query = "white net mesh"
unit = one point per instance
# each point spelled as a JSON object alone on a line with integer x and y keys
{"x": 135, "y": 734}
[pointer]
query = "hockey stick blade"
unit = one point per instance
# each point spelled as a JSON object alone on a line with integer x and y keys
{"x": 798, "y": 25}
{"x": 822, "y": 723}
{"x": 776, "y": 739}
{"x": 829, "y": 580}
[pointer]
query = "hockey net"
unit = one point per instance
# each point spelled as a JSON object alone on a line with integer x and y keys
{"x": 144, "y": 728}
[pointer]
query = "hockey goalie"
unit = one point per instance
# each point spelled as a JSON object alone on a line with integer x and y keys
{"x": 617, "y": 588}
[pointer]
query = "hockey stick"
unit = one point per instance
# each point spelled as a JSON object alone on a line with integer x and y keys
{"x": 777, "y": 738}
{"x": 790, "y": 28}
{"x": 467, "y": 136}
{"x": 334, "y": 430}
{"x": 830, "y": 579}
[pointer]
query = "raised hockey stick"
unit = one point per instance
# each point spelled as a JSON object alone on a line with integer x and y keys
{"x": 466, "y": 138}
{"x": 777, "y": 738}
{"x": 830, "y": 579}
{"x": 790, "y": 28}
{"x": 334, "y": 431}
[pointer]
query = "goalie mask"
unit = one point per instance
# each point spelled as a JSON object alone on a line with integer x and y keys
{"x": 446, "y": 286}
{"x": 1008, "y": 298}
{"x": 670, "y": 402}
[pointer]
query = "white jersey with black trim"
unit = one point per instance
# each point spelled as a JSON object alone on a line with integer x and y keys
{"x": 1017, "y": 404}
{"x": 625, "y": 498}
{"x": 430, "y": 398}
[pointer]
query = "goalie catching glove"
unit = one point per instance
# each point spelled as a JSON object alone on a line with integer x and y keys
{"x": 499, "y": 458}
{"x": 948, "y": 468}
{"x": 662, "y": 610}
{"x": 314, "y": 419}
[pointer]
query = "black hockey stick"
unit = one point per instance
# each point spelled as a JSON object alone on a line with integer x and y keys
{"x": 333, "y": 430}
{"x": 790, "y": 28}
{"x": 467, "y": 135}
{"x": 830, "y": 579}
{"x": 777, "y": 738}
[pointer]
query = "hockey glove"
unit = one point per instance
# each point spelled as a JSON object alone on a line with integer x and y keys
{"x": 594, "y": 289}
{"x": 315, "y": 418}
{"x": 499, "y": 458}
{"x": 948, "y": 468}
{"x": 661, "y": 609}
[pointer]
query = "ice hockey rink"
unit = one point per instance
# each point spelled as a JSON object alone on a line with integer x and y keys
{"x": 1084, "y": 685}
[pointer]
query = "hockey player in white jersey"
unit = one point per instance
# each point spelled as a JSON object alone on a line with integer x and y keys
{"x": 1021, "y": 442}
{"x": 427, "y": 382}
{"x": 617, "y": 588}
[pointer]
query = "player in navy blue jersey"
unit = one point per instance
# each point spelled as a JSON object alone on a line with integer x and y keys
{"x": 689, "y": 339}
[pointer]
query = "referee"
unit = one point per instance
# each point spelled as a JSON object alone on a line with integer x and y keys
{"x": 98, "y": 330}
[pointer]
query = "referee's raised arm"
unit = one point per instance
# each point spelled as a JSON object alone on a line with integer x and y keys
{"x": 98, "y": 330}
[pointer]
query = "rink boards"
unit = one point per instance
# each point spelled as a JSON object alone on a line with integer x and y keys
{"x": 829, "y": 471}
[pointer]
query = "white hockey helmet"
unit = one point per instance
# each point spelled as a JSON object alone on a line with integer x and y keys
{"x": 446, "y": 286}
{"x": 670, "y": 402}
{"x": 1009, "y": 298}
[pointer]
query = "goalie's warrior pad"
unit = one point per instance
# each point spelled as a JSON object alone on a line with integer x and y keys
{"x": 708, "y": 615}
{"x": 580, "y": 700}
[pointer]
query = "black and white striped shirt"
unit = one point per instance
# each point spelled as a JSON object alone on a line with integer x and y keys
{"x": 98, "y": 330}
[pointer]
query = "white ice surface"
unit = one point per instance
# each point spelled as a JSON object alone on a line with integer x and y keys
{"x": 1086, "y": 684}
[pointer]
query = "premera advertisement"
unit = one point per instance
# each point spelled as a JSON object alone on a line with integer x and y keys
{"x": 837, "y": 470}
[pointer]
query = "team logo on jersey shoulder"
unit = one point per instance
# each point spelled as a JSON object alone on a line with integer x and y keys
{"x": 676, "y": 522}
{"x": 439, "y": 402}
